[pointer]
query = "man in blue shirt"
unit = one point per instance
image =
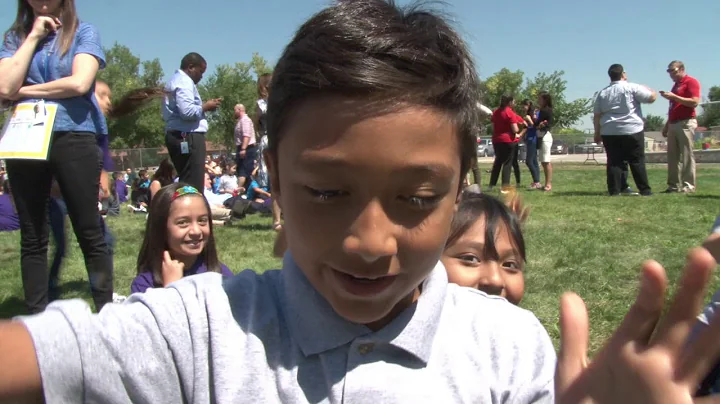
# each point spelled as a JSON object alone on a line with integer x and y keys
{"x": 185, "y": 123}
{"x": 620, "y": 126}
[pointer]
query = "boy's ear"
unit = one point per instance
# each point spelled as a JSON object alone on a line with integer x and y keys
{"x": 272, "y": 166}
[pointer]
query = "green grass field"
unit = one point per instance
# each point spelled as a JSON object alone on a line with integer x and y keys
{"x": 578, "y": 239}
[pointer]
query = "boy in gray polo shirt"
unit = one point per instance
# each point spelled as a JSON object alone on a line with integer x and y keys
{"x": 370, "y": 125}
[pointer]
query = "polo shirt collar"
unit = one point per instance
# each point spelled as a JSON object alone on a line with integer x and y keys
{"x": 316, "y": 327}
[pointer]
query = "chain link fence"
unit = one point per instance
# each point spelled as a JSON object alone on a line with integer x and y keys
{"x": 150, "y": 158}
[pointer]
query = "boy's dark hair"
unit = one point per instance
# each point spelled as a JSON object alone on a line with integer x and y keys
{"x": 505, "y": 100}
{"x": 192, "y": 59}
{"x": 374, "y": 50}
{"x": 155, "y": 242}
{"x": 475, "y": 206}
{"x": 615, "y": 72}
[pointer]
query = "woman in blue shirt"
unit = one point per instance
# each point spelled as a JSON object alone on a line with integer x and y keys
{"x": 48, "y": 54}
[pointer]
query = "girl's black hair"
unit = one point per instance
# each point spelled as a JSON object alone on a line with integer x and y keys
{"x": 155, "y": 242}
{"x": 376, "y": 51}
{"x": 547, "y": 99}
{"x": 165, "y": 173}
{"x": 475, "y": 206}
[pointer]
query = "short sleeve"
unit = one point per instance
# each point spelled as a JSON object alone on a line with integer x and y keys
{"x": 88, "y": 41}
{"x": 10, "y": 45}
{"x": 141, "y": 283}
{"x": 642, "y": 93}
{"x": 596, "y": 105}
{"x": 693, "y": 87}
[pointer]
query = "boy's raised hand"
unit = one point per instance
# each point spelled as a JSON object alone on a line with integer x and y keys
{"x": 172, "y": 270}
{"x": 647, "y": 359}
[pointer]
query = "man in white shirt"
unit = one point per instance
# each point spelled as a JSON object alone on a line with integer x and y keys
{"x": 619, "y": 126}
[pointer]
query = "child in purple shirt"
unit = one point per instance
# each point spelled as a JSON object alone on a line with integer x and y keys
{"x": 178, "y": 240}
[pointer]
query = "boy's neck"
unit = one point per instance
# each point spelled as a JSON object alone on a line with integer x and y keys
{"x": 403, "y": 304}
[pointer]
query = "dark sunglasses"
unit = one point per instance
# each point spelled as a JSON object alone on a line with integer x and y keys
{"x": 672, "y": 70}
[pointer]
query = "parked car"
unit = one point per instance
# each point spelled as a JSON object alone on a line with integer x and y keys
{"x": 559, "y": 147}
{"x": 485, "y": 148}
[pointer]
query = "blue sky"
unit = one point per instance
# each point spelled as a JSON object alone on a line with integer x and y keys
{"x": 580, "y": 37}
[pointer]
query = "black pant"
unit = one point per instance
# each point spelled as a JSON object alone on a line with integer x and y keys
{"x": 190, "y": 167}
{"x": 622, "y": 149}
{"x": 75, "y": 162}
{"x": 504, "y": 153}
{"x": 515, "y": 163}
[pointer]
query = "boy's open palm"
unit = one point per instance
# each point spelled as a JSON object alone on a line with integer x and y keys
{"x": 172, "y": 270}
{"x": 646, "y": 360}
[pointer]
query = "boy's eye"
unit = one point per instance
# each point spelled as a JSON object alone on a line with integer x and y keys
{"x": 512, "y": 266}
{"x": 423, "y": 202}
{"x": 324, "y": 195}
{"x": 203, "y": 220}
{"x": 469, "y": 258}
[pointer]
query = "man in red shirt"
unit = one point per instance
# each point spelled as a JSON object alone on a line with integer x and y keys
{"x": 680, "y": 129}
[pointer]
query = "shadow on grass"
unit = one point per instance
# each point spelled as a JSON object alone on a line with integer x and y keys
{"x": 251, "y": 227}
{"x": 580, "y": 193}
{"x": 12, "y": 307}
{"x": 695, "y": 196}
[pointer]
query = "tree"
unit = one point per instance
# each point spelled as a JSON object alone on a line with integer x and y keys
{"x": 711, "y": 113}
{"x": 236, "y": 85}
{"x": 565, "y": 114}
{"x": 125, "y": 72}
{"x": 506, "y": 82}
{"x": 654, "y": 123}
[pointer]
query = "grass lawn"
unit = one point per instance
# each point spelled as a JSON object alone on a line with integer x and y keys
{"x": 578, "y": 239}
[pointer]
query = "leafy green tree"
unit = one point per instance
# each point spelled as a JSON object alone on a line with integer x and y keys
{"x": 710, "y": 116}
{"x": 654, "y": 123}
{"x": 235, "y": 84}
{"x": 566, "y": 113}
{"x": 125, "y": 72}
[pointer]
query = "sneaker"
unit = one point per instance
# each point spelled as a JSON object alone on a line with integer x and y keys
{"x": 671, "y": 190}
{"x": 648, "y": 193}
{"x": 629, "y": 192}
{"x": 688, "y": 188}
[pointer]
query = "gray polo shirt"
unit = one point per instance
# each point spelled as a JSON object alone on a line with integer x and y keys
{"x": 272, "y": 338}
{"x": 620, "y": 109}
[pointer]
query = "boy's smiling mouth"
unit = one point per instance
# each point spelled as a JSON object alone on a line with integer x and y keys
{"x": 363, "y": 286}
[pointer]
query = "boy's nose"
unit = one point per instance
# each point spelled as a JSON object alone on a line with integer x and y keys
{"x": 490, "y": 279}
{"x": 372, "y": 234}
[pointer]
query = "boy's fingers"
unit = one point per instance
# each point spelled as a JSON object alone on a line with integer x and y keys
{"x": 674, "y": 329}
{"x": 641, "y": 319}
{"x": 574, "y": 337}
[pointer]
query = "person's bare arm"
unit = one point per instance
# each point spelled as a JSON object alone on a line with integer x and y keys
{"x": 154, "y": 188}
{"x": 14, "y": 69}
{"x": 596, "y": 124}
{"x": 19, "y": 373}
{"x": 84, "y": 70}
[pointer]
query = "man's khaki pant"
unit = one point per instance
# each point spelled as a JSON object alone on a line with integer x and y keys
{"x": 681, "y": 161}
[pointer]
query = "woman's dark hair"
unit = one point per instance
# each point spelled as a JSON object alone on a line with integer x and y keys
{"x": 165, "y": 173}
{"x": 155, "y": 242}
{"x": 26, "y": 18}
{"x": 546, "y": 99}
{"x": 263, "y": 86}
{"x": 527, "y": 103}
{"x": 475, "y": 206}
{"x": 505, "y": 101}
{"x": 376, "y": 51}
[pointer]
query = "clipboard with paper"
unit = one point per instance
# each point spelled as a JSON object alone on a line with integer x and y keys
{"x": 28, "y": 131}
